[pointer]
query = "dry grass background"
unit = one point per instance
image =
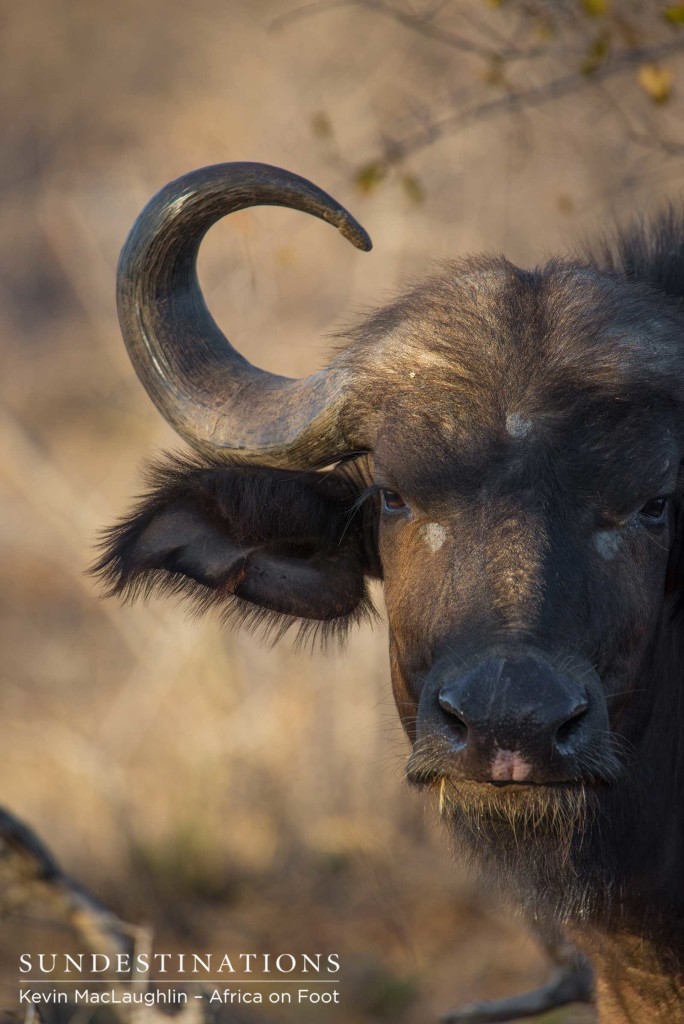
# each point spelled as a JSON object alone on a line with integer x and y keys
{"x": 228, "y": 795}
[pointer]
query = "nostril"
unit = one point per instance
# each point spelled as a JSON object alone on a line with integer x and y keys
{"x": 567, "y": 732}
{"x": 458, "y": 727}
{"x": 457, "y": 733}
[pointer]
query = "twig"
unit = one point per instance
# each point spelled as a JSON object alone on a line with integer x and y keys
{"x": 30, "y": 871}
{"x": 522, "y": 100}
{"x": 427, "y": 28}
{"x": 424, "y": 26}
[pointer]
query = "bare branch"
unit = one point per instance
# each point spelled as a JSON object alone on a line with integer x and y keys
{"x": 524, "y": 99}
{"x": 426, "y": 27}
{"x": 29, "y": 873}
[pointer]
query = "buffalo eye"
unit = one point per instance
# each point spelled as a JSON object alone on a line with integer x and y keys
{"x": 654, "y": 511}
{"x": 392, "y": 502}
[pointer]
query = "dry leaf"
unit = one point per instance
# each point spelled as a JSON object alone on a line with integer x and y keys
{"x": 413, "y": 188}
{"x": 370, "y": 175}
{"x": 674, "y": 14}
{"x": 656, "y": 81}
{"x": 596, "y": 7}
{"x": 597, "y": 53}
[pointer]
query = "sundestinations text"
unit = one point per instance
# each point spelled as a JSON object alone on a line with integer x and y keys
{"x": 179, "y": 963}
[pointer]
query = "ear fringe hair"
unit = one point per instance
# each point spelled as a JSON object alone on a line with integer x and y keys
{"x": 268, "y": 626}
{"x": 167, "y": 477}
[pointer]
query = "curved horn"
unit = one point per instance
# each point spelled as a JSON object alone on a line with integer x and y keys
{"x": 210, "y": 394}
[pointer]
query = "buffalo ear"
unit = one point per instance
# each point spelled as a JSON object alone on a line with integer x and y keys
{"x": 267, "y": 547}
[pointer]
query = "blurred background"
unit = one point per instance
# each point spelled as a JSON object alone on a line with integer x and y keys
{"x": 227, "y": 795}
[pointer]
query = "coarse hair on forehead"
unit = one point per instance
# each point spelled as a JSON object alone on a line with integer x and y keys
{"x": 483, "y": 322}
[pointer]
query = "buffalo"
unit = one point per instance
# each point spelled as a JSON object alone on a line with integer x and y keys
{"x": 502, "y": 448}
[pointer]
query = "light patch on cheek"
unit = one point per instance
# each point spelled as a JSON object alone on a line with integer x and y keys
{"x": 607, "y": 543}
{"x": 517, "y": 425}
{"x": 434, "y": 536}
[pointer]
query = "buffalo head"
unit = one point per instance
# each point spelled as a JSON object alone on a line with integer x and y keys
{"x": 501, "y": 447}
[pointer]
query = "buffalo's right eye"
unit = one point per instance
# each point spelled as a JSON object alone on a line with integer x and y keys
{"x": 392, "y": 502}
{"x": 654, "y": 510}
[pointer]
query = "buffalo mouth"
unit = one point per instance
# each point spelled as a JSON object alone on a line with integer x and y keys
{"x": 436, "y": 780}
{"x": 534, "y": 815}
{"x": 512, "y": 786}
{"x": 428, "y": 771}
{"x": 434, "y": 763}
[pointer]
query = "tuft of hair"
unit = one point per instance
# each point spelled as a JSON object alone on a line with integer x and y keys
{"x": 649, "y": 249}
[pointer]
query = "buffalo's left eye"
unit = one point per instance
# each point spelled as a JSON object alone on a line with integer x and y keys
{"x": 654, "y": 510}
{"x": 392, "y": 502}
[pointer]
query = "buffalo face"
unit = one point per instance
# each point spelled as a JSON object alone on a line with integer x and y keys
{"x": 506, "y": 449}
{"x": 528, "y": 477}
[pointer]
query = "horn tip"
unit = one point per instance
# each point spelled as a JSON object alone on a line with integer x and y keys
{"x": 354, "y": 233}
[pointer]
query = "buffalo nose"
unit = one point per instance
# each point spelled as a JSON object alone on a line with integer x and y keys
{"x": 521, "y": 711}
